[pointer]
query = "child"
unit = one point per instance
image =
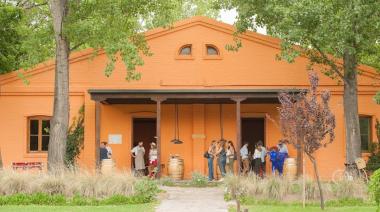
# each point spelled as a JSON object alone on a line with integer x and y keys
{"x": 273, "y": 159}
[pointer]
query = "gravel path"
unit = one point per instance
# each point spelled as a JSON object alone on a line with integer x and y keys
{"x": 193, "y": 200}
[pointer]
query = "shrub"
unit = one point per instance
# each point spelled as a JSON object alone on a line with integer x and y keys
{"x": 166, "y": 181}
{"x": 251, "y": 188}
{"x": 146, "y": 190}
{"x": 374, "y": 187}
{"x": 198, "y": 180}
{"x": 80, "y": 187}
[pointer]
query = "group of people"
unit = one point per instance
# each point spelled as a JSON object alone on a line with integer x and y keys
{"x": 224, "y": 152}
{"x": 138, "y": 153}
{"x": 225, "y": 155}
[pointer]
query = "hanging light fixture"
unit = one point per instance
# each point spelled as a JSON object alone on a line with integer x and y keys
{"x": 221, "y": 122}
{"x": 176, "y": 126}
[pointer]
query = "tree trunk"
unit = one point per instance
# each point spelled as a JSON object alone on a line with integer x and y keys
{"x": 312, "y": 159}
{"x": 299, "y": 158}
{"x": 351, "y": 116}
{"x": 60, "y": 121}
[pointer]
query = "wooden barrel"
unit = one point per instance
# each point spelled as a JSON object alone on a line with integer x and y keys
{"x": 290, "y": 168}
{"x": 107, "y": 166}
{"x": 175, "y": 168}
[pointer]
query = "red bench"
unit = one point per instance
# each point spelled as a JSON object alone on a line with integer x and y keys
{"x": 26, "y": 165}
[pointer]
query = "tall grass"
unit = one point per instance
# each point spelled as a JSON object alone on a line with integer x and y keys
{"x": 72, "y": 184}
{"x": 282, "y": 189}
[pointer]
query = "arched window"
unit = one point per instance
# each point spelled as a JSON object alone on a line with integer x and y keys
{"x": 185, "y": 50}
{"x": 212, "y": 50}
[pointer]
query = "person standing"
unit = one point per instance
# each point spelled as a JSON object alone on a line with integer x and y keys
{"x": 273, "y": 155}
{"x": 103, "y": 152}
{"x": 138, "y": 153}
{"x": 282, "y": 155}
{"x": 222, "y": 158}
{"x": 257, "y": 160}
{"x": 231, "y": 156}
{"x": 244, "y": 157}
{"x": 152, "y": 160}
{"x": 263, "y": 158}
{"x": 109, "y": 150}
{"x": 210, "y": 160}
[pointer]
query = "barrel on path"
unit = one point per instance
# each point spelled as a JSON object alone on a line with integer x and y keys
{"x": 107, "y": 166}
{"x": 175, "y": 167}
{"x": 290, "y": 166}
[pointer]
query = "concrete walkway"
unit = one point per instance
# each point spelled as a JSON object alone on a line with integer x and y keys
{"x": 193, "y": 200}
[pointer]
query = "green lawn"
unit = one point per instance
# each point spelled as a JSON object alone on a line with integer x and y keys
{"x": 292, "y": 208}
{"x": 108, "y": 208}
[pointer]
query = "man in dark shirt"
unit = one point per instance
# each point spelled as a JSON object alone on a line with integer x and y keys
{"x": 103, "y": 151}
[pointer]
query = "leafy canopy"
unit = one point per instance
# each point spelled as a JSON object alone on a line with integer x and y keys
{"x": 10, "y": 38}
{"x": 115, "y": 27}
{"x": 317, "y": 28}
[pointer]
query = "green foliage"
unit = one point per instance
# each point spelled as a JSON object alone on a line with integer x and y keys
{"x": 58, "y": 199}
{"x": 374, "y": 159}
{"x": 75, "y": 139}
{"x": 374, "y": 187}
{"x": 146, "y": 190}
{"x": 316, "y": 29}
{"x": 198, "y": 180}
{"x": 10, "y": 37}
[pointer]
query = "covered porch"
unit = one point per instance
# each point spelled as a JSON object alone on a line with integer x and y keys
{"x": 200, "y": 119}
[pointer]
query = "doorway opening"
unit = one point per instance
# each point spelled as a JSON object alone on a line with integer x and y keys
{"x": 252, "y": 131}
{"x": 144, "y": 129}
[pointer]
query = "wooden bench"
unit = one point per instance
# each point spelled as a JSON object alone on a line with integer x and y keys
{"x": 27, "y": 165}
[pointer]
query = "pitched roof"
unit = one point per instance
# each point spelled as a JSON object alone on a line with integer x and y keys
{"x": 158, "y": 32}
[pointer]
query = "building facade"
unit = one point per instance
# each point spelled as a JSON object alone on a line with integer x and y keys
{"x": 217, "y": 93}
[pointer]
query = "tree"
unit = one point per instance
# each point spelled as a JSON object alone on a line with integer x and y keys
{"x": 335, "y": 34}
{"x": 10, "y": 19}
{"x": 307, "y": 122}
{"x": 62, "y": 26}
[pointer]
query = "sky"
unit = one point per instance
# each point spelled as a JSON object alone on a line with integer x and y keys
{"x": 229, "y": 17}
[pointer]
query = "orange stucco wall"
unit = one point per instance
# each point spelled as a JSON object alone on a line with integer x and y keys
{"x": 253, "y": 67}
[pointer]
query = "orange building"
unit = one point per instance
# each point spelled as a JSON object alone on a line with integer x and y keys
{"x": 189, "y": 68}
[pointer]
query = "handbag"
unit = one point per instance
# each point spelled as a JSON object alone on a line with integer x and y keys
{"x": 206, "y": 155}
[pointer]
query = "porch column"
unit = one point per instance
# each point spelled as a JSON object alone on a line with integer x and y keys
{"x": 158, "y": 101}
{"x": 97, "y": 134}
{"x": 238, "y": 101}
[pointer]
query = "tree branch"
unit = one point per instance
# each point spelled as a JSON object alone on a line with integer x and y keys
{"x": 76, "y": 46}
{"x": 328, "y": 61}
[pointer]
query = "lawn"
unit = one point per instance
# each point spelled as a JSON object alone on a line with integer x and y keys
{"x": 108, "y": 208}
{"x": 292, "y": 208}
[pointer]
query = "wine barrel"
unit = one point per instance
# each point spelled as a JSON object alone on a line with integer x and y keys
{"x": 175, "y": 168}
{"x": 290, "y": 166}
{"x": 107, "y": 166}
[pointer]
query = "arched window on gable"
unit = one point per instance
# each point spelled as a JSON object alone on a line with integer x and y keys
{"x": 212, "y": 50}
{"x": 185, "y": 50}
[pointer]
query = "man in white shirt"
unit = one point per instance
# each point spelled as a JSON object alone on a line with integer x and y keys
{"x": 244, "y": 157}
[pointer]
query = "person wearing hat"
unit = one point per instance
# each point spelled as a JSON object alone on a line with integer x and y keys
{"x": 152, "y": 168}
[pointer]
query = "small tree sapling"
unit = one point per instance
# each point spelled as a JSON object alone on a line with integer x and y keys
{"x": 307, "y": 123}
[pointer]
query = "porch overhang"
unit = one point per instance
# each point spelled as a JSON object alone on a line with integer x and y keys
{"x": 187, "y": 96}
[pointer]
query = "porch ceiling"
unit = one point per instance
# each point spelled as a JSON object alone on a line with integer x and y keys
{"x": 187, "y": 96}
